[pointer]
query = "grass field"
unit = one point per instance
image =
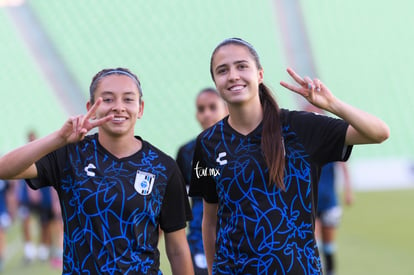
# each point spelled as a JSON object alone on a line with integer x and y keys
{"x": 375, "y": 237}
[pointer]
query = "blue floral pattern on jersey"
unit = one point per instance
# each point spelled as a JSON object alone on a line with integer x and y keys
{"x": 261, "y": 229}
{"x": 118, "y": 229}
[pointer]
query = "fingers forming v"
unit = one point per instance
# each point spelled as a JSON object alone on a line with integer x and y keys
{"x": 309, "y": 83}
{"x": 92, "y": 110}
{"x": 91, "y": 113}
{"x": 317, "y": 83}
{"x": 101, "y": 121}
{"x": 296, "y": 77}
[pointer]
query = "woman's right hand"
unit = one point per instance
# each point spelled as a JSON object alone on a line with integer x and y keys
{"x": 76, "y": 128}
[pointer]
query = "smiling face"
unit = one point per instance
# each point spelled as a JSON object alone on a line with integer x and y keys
{"x": 121, "y": 98}
{"x": 236, "y": 74}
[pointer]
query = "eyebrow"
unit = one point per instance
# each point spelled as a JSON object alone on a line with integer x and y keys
{"x": 235, "y": 62}
{"x": 123, "y": 93}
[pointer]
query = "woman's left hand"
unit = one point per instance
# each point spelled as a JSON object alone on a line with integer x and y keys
{"x": 314, "y": 91}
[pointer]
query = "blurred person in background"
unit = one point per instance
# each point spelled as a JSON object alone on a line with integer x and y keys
{"x": 329, "y": 211}
{"x": 57, "y": 232}
{"x": 6, "y": 208}
{"x": 35, "y": 204}
{"x": 210, "y": 108}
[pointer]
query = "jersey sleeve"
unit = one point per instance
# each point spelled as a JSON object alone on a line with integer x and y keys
{"x": 176, "y": 209}
{"x": 202, "y": 185}
{"x": 323, "y": 136}
{"x": 48, "y": 170}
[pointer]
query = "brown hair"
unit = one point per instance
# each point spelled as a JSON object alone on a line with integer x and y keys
{"x": 208, "y": 90}
{"x": 105, "y": 72}
{"x": 272, "y": 141}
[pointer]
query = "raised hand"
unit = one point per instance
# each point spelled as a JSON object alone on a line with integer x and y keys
{"x": 314, "y": 91}
{"x": 76, "y": 128}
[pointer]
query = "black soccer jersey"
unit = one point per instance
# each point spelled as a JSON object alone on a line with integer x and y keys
{"x": 112, "y": 207}
{"x": 260, "y": 228}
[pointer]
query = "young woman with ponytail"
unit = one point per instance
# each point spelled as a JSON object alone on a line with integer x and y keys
{"x": 257, "y": 169}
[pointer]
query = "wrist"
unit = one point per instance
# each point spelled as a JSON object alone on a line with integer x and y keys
{"x": 58, "y": 139}
{"x": 335, "y": 106}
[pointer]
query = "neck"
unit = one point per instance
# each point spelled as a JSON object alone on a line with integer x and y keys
{"x": 120, "y": 147}
{"x": 245, "y": 118}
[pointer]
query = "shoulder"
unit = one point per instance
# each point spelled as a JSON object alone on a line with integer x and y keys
{"x": 304, "y": 119}
{"x": 155, "y": 154}
{"x": 90, "y": 142}
{"x": 187, "y": 147}
{"x": 89, "y": 139}
{"x": 294, "y": 115}
{"x": 214, "y": 130}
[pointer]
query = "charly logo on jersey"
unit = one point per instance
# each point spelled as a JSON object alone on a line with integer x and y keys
{"x": 144, "y": 182}
{"x": 88, "y": 170}
{"x": 220, "y": 159}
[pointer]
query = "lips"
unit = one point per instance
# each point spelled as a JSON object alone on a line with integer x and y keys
{"x": 119, "y": 119}
{"x": 236, "y": 88}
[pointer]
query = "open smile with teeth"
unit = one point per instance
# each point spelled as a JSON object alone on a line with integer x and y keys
{"x": 236, "y": 88}
{"x": 118, "y": 119}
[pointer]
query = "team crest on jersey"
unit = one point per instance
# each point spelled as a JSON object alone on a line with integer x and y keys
{"x": 144, "y": 182}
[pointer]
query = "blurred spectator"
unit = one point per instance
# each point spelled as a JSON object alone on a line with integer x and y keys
{"x": 210, "y": 109}
{"x": 5, "y": 219}
{"x": 329, "y": 211}
{"x": 36, "y": 203}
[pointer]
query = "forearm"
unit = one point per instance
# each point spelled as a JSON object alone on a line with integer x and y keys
{"x": 209, "y": 241}
{"x": 366, "y": 128}
{"x": 181, "y": 264}
{"x": 16, "y": 163}
{"x": 178, "y": 253}
{"x": 209, "y": 226}
{"x": 346, "y": 176}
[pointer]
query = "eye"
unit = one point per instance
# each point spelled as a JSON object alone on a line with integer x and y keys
{"x": 129, "y": 99}
{"x": 221, "y": 70}
{"x": 107, "y": 100}
{"x": 213, "y": 107}
{"x": 200, "y": 109}
{"x": 242, "y": 66}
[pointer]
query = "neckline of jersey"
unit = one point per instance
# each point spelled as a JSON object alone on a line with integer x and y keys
{"x": 252, "y": 133}
{"x": 143, "y": 147}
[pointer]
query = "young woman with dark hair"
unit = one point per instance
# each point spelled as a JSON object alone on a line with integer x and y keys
{"x": 115, "y": 189}
{"x": 257, "y": 169}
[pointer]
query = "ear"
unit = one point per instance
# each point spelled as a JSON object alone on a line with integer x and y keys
{"x": 141, "y": 109}
{"x": 260, "y": 75}
{"x": 197, "y": 117}
{"x": 88, "y": 105}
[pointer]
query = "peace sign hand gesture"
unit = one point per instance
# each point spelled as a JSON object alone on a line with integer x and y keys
{"x": 314, "y": 91}
{"x": 76, "y": 128}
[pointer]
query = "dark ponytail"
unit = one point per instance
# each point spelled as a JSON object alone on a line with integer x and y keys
{"x": 272, "y": 141}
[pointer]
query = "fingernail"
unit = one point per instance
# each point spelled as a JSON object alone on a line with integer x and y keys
{"x": 318, "y": 89}
{"x": 309, "y": 86}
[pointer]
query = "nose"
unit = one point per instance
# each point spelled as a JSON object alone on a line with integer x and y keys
{"x": 233, "y": 74}
{"x": 118, "y": 106}
{"x": 208, "y": 117}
